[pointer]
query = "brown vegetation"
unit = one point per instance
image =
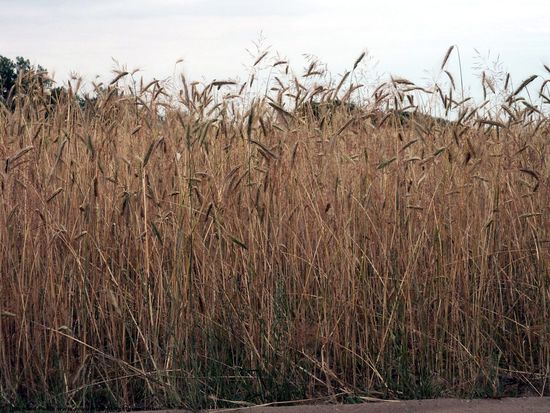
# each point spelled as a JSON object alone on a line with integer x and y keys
{"x": 156, "y": 252}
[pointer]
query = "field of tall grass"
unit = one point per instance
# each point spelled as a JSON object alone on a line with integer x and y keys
{"x": 181, "y": 244}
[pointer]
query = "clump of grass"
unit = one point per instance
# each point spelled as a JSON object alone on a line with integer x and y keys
{"x": 218, "y": 247}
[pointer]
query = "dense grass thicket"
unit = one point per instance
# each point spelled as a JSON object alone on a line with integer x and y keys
{"x": 219, "y": 244}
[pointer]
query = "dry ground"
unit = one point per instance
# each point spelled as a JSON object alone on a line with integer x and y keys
{"x": 516, "y": 405}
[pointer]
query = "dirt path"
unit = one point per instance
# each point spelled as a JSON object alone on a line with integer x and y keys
{"x": 518, "y": 405}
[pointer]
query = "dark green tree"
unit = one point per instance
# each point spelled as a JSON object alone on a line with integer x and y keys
{"x": 8, "y": 76}
{"x": 10, "y": 70}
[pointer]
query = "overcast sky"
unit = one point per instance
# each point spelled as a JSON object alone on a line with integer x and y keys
{"x": 406, "y": 38}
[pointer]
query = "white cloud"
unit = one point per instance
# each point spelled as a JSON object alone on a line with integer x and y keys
{"x": 211, "y": 35}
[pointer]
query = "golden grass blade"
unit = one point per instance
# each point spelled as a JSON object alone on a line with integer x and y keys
{"x": 447, "y": 55}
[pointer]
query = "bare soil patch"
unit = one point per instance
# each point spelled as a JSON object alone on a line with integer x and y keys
{"x": 508, "y": 405}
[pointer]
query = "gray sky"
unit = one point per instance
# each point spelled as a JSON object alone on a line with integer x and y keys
{"x": 407, "y": 38}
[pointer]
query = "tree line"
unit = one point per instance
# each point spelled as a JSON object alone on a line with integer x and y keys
{"x": 19, "y": 75}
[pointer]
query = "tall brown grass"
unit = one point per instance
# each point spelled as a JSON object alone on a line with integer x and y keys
{"x": 221, "y": 248}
